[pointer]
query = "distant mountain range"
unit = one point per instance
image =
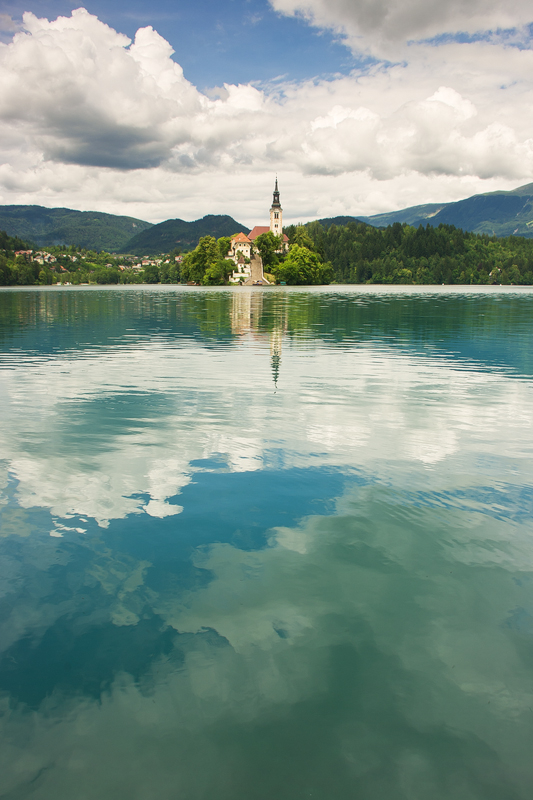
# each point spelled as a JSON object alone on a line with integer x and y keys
{"x": 98, "y": 231}
{"x": 56, "y": 226}
{"x": 495, "y": 213}
{"x": 172, "y": 233}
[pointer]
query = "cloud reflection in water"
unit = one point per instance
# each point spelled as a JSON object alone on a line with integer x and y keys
{"x": 344, "y": 603}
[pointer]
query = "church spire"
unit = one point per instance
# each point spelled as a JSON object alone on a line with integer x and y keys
{"x": 275, "y": 201}
{"x": 276, "y": 213}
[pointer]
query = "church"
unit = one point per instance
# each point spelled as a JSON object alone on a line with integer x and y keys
{"x": 249, "y": 266}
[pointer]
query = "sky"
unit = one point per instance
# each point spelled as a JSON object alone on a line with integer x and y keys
{"x": 181, "y": 109}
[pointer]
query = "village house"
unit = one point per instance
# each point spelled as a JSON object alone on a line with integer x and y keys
{"x": 241, "y": 244}
{"x": 42, "y": 257}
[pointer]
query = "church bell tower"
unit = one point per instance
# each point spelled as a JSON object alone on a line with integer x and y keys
{"x": 276, "y": 213}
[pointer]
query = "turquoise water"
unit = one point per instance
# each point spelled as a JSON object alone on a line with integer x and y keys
{"x": 266, "y": 544}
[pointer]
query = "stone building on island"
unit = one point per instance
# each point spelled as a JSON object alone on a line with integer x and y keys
{"x": 249, "y": 266}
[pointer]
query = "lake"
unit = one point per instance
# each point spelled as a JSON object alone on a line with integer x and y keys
{"x": 266, "y": 544}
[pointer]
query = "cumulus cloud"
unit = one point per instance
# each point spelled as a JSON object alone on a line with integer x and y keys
{"x": 90, "y": 119}
{"x": 378, "y": 25}
{"x": 85, "y": 96}
{"x": 7, "y": 24}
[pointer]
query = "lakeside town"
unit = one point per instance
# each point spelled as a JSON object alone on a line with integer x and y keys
{"x": 70, "y": 265}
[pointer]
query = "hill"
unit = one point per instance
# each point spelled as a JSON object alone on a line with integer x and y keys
{"x": 400, "y": 253}
{"x": 94, "y": 230}
{"x": 10, "y": 244}
{"x": 414, "y": 215}
{"x": 495, "y": 213}
{"x": 328, "y": 221}
{"x": 176, "y": 233}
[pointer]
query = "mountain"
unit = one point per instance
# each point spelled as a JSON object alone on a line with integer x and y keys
{"x": 415, "y": 215}
{"x": 495, "y": 213}
{"x": 328, "y": 221}
{"x": 55, "y": 226}
{"x": 176, "y": 233}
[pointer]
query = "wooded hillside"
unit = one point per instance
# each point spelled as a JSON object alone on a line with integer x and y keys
{"x": 424, "y": 255}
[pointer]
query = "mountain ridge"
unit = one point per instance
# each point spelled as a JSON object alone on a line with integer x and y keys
{"x": 500, "y": 213}
{"x": 177, "y": 233}
{"x": 97, "y": 230}
{"x": 94, "y": 230}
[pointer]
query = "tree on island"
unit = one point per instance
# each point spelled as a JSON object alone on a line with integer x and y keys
{"x": 206, "y": 264}
{"x": 268, "y": 246}
{"x": 303, "y": 267}
{"x": 297, "y": 234}
{"x": 224, "y": 244}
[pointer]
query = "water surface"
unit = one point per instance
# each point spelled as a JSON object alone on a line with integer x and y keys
{"x": 266, "y": 544}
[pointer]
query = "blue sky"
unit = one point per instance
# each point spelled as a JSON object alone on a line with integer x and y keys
{"x": 230, "y": 41}
{"x": 359, "y": 106}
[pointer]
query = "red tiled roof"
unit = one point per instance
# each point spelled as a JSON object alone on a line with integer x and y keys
{"x": 259, "y": 229}
{"x": 241, "y": 237}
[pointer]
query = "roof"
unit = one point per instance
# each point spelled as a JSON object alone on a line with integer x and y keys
{"x": 241, "y": 237}
{"x": 259, "y": 229}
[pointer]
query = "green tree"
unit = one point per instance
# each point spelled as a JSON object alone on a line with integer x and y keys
{"x": 218, "y": 274}
{"x": 267, "y": 244}
{"x": 6, "y": 273}
{"x": 205, "y": 255}
{"x": 169, "y": 273}
{"x": 301, "y": 237}
{"x": 150, "y": 274}
{"x": 129, "y": 276}
{"x": 224, "y": 245}
{"x": 103, "y": 275}
{"x": 303, "y": 267}
{"x": 207, "y": 263}
{"x": 25, "y": 272}
{"x": 46, "y": 276}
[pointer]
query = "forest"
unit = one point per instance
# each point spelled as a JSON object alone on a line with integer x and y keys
{"x": 402, "y": 254}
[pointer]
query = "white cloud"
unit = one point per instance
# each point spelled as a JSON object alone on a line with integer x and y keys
{"x": 89, "y": 120}
{"x": 8, "y": 24}
{"x": 379, "y": 26}
{"x": 83, "y": 98}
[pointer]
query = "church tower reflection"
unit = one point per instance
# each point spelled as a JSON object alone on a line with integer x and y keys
{"x": 276, "y": 340}
{"x": 264, "y": 317}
